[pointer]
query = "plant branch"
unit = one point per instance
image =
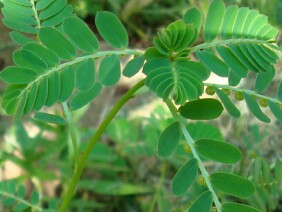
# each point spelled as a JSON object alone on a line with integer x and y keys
{"x": 72, "y": 132}
{"x": 84, "y": 155}
{"x": 190, "y": 142}
{"x": 251, "y": 92}
{"x": 35, "y": 14}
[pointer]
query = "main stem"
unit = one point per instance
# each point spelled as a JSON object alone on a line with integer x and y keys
{"x": 190, "y": 142}
{"x": 84, "y": 155}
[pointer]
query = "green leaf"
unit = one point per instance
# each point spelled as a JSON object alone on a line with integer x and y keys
{"x": 32, "y": 94}
{"x": 21, "y": 27}
{"x": 50, "y": 118}
{"x": 27, "y": 59}
{"x": 264, "y": 79}
{"x": 43, "y": 53}
{"x": 51, "y": 37}
{"x": 229, "y": 21}
{"x": 109, "y": 70}
{"x": 85, "y": 97}
{"x": 42, "y": 4}
{"x": 232, "y": 184}
{"x": 202, "y": 109}
{"x": 232, "y": 61}
{"x": 17, "y": 75}
{"x": 21, "y": 191}
{"x": 21, "y": 106}
{"x": 59, "y": 17}
{"x": 276, "y": 110}
{"x": 22, "y": 2}
{"x": 279, "y": 91}
{"x": 202, "y": 203}
{"x": 54, "y": 8}
{"x": 34, "y": 198}
{"x": 185, "y": 177}
{"x": 228, "y": 104}
{"x": 216, "y": 65}
{"x": 42, "y": 93}
{"x": 17, "y": 8}
{"x": 257, "y": 170}
{"x": 19, "y": 38}
{"x": 82, "y": 36}
{"x": 67, "y": 79}
{"x": 111, "y": 29}
{"x": 239, "y": 21}
{"x": 53, "y": 89}
{"x": 235, "y": 207}
{"x": 199, "y": 130}
{"x": 169, "y": 139}
{"x": 218, "y": 151}
{"x": 214, "y": 19}
{"x": 85, "y": 75}
{"x": 193, "y": 16}
{"x": 255, "y": 109}
{"x": 278, "y": 170}
{"x": 233, "y": 78}
{"x": 133, "y": 66}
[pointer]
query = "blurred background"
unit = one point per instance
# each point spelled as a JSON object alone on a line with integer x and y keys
{"x": 124, "y": 172}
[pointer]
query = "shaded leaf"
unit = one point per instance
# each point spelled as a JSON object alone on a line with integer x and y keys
{"x": 51, "y": 37}
{"x": 276, "y": 110}
{"x": 111, "y": 29}
{"x": 19, "y": 38}
{"x": 54, "y": 87}
{"x": 67, "y": 82}
{"x": 84, "y": 97}
{"x": 82, "y": 36}
{"x": 17, "y": 75}
{"x": 202, "y": 109}
{"x": 279, "y": 91}
{"x": 202, "y": 203}
{"x": 133, "y": 66}
{"x": 185, "y": 177}
{"x": 52, "y": 9}
{"x": 218, "y": 151}
{"x": 169, "y": 139}
{"x": 235, "y": 207}
{"x": 109, "y": 70}
{"x": 255, "y": 109}
{"x": 50, "y": 118}
{"x": 232, "y": 184}
{"x": 42, "y": 93}
{"x": 85, "y": 75}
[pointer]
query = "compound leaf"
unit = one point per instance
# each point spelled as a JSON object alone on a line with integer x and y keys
{"x": 169, "y": 139}
{"x": 111, "y": 29}
{"x": 54, "y": 88}
{"x": 185, "y": 177}
{"x": 67, "y": 79}
{"x": 52, "y": 9}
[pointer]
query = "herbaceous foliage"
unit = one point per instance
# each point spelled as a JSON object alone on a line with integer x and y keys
{"x": 58, "y": 65}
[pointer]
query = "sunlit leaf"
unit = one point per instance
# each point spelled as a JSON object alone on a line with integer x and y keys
{"x": 52, "y": 9}
{"x": 133, "y": 66}
{"x": 235, "y": 207}
{"x": 193, "y": 16}
{"x": 17, "y": 75}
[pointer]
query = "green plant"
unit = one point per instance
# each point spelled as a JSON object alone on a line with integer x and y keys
{"x": 55, "y": 64}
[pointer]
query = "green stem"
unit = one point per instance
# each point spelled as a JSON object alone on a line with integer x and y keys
{"x": 190, "y": 142}
{"x": 84, "y": 155}
{"x": 251, "y": 92}
{"x": 35, "y": 14}
{"x": 72, "y": 132}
